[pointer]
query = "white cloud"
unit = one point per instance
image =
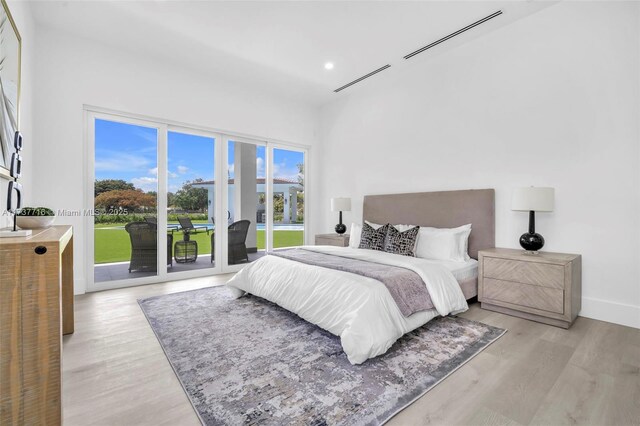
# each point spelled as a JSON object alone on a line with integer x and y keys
{"x": 146, "y": 183}
{"x": 154, "y": 172}
{"x": 260, "y": 167}
{"x": 182, "y": 169}
{"x": 108, "y": 161}
{"x": 283, "y": 172}
{"x": 149, "y": 136}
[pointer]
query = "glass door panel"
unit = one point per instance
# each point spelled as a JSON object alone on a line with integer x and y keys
{"x": 246, "y": 202}
{"x": 125, "y": 201}
{"x": 288, "y": 198}
{"x": 159, "y": 210}
{"x": 190, "y": 201}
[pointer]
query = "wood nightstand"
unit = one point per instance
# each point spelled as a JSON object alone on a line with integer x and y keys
{"x": 544, "y": 287}
{"x": 332, "y": 240}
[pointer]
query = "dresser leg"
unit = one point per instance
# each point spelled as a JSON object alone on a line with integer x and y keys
{"x": 67, "y": 289}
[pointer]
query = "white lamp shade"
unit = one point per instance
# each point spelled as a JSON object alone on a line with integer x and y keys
{"x": 341, "y": 204}
{"x": 532, "y": 199}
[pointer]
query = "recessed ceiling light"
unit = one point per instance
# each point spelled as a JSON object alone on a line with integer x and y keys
{"x": 328, "y": 66}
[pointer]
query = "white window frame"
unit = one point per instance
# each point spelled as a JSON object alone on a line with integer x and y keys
{"x": 226, "y": 268}
{"x": 217, "y": 268}
{"x": 91, "y": 113}
{"x": 90, "y": 118}
{"x": 305, "y": 152}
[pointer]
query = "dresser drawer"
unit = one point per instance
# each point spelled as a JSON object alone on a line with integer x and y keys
{"x": 331, "y": 240}
{"x": 540, "y": 274}
{"x": 532, "y": 296}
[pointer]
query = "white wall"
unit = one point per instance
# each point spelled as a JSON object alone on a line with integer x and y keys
{"x": 550, "y": 100}
{"x": 23, "y": 18}
{"x": 76, "y": 72}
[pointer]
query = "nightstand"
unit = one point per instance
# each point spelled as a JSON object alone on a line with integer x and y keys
{"x": 332, "y": 240}
{"x": 544, "y": 287}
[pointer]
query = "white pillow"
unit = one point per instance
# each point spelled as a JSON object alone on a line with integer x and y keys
{"x": 356, "y": 232}
{"x": 400, "y": 228}
{"x": 444, "y": 243}
{"x": 355, "y": 235}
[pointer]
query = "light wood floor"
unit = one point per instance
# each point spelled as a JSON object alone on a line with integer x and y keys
{"x": 115, "y": 372}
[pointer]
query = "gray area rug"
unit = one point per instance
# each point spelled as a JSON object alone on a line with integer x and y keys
{"x": 248, "y": 361}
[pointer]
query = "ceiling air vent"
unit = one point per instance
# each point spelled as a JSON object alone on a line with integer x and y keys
{"x": 460, "y": 31}
{"x": 358, "y": 80}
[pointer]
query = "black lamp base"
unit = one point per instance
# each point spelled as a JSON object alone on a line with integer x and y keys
{"x": 531, "y": 241}
{"x": 340, "y": 228}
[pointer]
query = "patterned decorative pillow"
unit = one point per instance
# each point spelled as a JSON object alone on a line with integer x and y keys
{"x": 373, "y": 239}
{"x": 403, "y": 243}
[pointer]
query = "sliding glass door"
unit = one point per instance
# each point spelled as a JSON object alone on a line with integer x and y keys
{"x": 191, "y": 206}
{"x": 288, "y": 198}
{"x": 125, "y": 201}
{"x": 246, "y": 203}
{"x": 177, "y": 202}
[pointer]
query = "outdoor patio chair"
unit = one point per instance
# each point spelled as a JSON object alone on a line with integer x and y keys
{"x": 187, "y": 227}
{"x": 237, "y": 242}
{"x": 154, "y": 220}
{"x": 144, "y": 247}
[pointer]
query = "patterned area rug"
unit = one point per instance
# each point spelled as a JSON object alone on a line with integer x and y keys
{"x": 248, "y": 361}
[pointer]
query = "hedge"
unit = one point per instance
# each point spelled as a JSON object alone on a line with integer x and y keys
{"x": 140, "y": 217}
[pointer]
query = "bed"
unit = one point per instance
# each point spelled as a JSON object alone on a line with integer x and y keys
{"x": 443, "y": 209}
{"x": 360, "y": 309}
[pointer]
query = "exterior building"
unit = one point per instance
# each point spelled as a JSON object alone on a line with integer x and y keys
{"x": 255, "y": 211}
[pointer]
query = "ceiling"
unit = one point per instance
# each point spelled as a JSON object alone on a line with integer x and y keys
{"x": 280, "y": 46}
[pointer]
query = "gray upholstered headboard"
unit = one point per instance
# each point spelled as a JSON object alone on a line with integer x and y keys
{"x": 445, "y": 209}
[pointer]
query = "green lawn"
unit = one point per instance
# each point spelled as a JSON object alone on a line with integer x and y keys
{"x": 112, "y": 242}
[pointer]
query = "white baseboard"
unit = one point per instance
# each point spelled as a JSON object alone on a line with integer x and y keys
{"x": 606, "y": 310}
{"x": 79, "y": 286}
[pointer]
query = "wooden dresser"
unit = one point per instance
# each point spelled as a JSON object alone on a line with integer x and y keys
{"x": 332, "y": 240}
{"x": 36, "y": 308}
{"x": 544, "y": 287}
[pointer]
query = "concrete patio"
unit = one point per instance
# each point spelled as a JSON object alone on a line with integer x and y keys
{"x": 120, "y": 270}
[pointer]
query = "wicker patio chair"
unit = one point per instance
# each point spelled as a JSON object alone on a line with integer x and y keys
{"x": 237, "y": 242}
{"x": 144, "y": 247}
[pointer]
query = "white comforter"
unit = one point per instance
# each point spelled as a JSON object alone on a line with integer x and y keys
{"x": 358, "y": 309}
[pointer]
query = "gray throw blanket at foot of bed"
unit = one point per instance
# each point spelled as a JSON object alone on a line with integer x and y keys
{"x": 406, "y": 287}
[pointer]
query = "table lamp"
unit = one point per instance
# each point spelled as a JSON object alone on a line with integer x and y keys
{"x": 341, "y": 205}
{"x": 532, "y": 199}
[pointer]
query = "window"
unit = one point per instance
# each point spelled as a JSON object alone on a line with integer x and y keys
{"x": 161, "y": 212}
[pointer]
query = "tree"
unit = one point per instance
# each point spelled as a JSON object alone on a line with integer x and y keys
{"x": 129, "y": 199}
{"x": 300, "y": 207}
{"x": 278, "y": 203}
{"x": 171, "y": 199}
{"x": 278, "y": 207}
{"x": 105, "y": 185}
{"x": 300, "y": 195}
{"x": 300, "y": 174}
{"x": 191, "y": 198}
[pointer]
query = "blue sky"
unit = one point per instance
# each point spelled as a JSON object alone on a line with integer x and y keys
{"x": 128, "y": 152}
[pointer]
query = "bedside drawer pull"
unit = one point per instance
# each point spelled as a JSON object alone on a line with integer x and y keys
{"x": 40, "y": 250}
